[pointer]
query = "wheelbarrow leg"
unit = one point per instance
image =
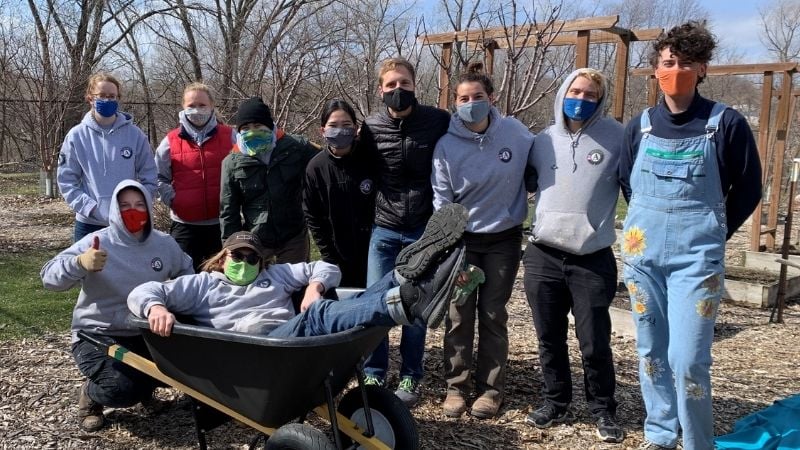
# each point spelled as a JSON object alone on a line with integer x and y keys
{"x": 337, "y": 440}
{"x": 362, "y": 387}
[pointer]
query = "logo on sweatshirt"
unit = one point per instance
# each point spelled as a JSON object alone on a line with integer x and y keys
{"x": 365, "y": 186}
{"x": 157, "y": 264}
{"x": 505, "y": 155}
{"x": 595, "y": 157}
{"x": 126, "y": 152}
{"x": 264, "y": 284}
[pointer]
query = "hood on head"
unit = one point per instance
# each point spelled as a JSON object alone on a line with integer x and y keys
{"x": 115, "y": 217}
{"x": 558, "y": 107}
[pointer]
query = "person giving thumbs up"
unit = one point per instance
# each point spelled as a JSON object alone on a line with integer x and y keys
{"x": 93, "y": 259}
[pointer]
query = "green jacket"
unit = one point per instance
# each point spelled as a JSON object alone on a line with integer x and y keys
{"x": 268, "y": 197}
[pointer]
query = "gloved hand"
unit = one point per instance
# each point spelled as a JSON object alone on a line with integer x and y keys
{"x": 93, "y": 259}
{"x": 468, "y": 280}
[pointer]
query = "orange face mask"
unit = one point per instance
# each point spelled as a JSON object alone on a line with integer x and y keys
{"x": 676, "y": 82}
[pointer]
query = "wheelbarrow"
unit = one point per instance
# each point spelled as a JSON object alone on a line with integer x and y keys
{"x": 273, "y": 384}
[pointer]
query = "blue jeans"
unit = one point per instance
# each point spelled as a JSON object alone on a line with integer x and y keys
{"x": 368, "y": 308}
{"x": 384, "y": 246}
{"x": 82, "y": 229}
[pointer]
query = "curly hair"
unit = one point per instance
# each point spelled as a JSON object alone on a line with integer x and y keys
{"x": 691, "y": 41}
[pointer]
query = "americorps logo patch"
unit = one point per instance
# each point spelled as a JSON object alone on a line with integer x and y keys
{"x": 126, "y": 152}
{"x": 157, "y": 264}
{"x": 595, "y": 157}
{"x": 505, "y": 155}
{"x": 365, "y": 186}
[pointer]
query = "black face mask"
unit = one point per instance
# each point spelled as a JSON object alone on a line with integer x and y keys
{"x": 399, "y": 99}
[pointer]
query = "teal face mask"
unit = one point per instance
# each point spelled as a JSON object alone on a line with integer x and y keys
{"x": 254, "y": 142}
{"x": 241, "y": 273}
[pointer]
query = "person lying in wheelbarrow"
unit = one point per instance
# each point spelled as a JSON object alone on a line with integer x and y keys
{"x": 237, "y": 291}
{"x": 107, "y": 264}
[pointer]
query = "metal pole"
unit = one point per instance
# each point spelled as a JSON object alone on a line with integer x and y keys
{"x": 780, "y": 299}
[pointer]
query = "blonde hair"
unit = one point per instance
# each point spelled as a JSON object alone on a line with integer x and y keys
{"x": 595, "y": 76}
{"x": 100, "y": 77}
{"x": 392, "y": 64}
{"x": 198, "y": 86}
{"x": 216, "y": 263}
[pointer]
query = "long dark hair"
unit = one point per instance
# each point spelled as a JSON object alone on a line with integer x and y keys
{"x": 337, "y": 104}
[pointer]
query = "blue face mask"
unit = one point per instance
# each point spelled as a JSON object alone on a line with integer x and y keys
{"x": 577, "y": 109}
{"x": 254, "y": 142}
{"x": 105, "y": 107}
{"x": 473, "y": 112}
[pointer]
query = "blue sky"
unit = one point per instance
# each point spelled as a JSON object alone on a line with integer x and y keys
{"x": 737, "y": 24}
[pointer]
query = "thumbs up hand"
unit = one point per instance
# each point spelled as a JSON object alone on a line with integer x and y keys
{"x": 93, "y": 259}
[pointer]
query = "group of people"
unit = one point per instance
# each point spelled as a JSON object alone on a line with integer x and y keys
{"x": 400, "y": 205}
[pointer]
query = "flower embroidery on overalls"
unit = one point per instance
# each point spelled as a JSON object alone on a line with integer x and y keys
{"x": 633, "y": 243}
{"x": 653, "y": 368}
{"x": 695, "y": 391}
{"x": 712, "y": 283}
{"x": 706, "y": 308}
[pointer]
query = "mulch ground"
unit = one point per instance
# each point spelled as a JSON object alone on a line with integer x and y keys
{"x": 755, "y": 363}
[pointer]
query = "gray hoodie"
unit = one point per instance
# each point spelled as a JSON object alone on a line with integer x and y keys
{"x": 484, "y": 172}
{"x": 577, "y": 190}
{"x": 212, "y": 300}
{"x": 101, "y": 306}
{"x": 94, "y": 159}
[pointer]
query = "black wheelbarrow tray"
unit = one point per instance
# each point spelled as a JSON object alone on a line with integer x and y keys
{"x": 272, "y": 384}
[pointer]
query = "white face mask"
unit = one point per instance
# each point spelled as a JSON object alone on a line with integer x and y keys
{"x": 198, "y": 116}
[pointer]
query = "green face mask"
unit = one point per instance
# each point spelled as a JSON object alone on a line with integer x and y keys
{"x": 240, "y": 272}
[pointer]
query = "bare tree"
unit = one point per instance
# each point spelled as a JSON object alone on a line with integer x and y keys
{"x": 780, "y": 21}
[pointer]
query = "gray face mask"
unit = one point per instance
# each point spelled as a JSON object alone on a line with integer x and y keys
{"x": 474, "y": 112}
{"x": 339, "y": 137}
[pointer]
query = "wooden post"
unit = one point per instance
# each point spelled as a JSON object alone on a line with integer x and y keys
{"x": 444, "y": 74}
{"x": 489, "y": 46}
{"x": 763, "y": 144}
{"x": 582, "y": 49}
{"x": 621, "y": 77}
{"x": 781, "y": 128}
{"x": 652, "y": 90}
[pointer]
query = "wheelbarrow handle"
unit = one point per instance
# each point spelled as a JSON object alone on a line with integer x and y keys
{"x": 84, "y": 336}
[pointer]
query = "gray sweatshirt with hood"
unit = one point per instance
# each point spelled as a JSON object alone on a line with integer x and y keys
{"x": 484, "y": 172}
{"x": 101, "y": 306}
{"x": 211, "y": 299}
{"x": 93, "y": 160}
{"x": 577, "y": 187}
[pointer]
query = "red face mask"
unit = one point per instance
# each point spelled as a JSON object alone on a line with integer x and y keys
{"x": 676, "y": 82}
{"x": 134, "y": 219}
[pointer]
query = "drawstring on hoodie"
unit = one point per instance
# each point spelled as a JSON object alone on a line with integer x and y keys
{"x": 574, "y": 140}
{"x": 479, "y": 138}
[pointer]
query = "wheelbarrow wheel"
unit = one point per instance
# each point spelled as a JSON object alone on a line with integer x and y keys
{"x": 299, "y": 436}
{"x": 393, "y": 422}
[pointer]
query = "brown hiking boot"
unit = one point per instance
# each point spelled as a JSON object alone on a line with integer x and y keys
{"x": 454, "y": 404}
{"x": 486, "y": 407}
{"x": 90, "y": 413}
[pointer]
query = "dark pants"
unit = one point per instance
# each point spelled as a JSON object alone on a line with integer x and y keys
{"x": 198, "y": 241}
{"x": 555, "y": 283}
{"x": 113, "y": 383}
{"x": 497, "y": 254}
{"x": 83, "y": 228}
{"x": 354, "y": 273}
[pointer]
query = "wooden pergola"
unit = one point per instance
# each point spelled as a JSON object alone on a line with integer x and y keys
{"x": 580, "y": 33}
{"x": 767, "y": 133}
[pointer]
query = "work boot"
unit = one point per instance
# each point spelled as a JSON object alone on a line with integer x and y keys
{"x": 90, "y": 413}
{"x": 485, "y": 406}
{"x": 443, "y": 231}
{"x": 454, "y": 404}
{"x": 427, "y": 297}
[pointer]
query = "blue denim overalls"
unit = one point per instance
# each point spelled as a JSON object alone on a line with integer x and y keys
{"x": 674, "y": 263}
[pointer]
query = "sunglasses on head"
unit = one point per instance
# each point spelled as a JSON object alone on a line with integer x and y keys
{"x": 250, "y": 258}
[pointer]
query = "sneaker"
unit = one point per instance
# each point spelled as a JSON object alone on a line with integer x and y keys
{"x": 454, "y": 404}
{"x": 372, "y": 380}
{"x": 444, "y": 230}
{"x": 608, "y": 430}
{"x": 426, "y": 298}
{"x": 90, "y": 413}
{"x": 647, "y": 445}
{"x": 408, "y": 391}
{"x": 485, "y": 407}
{"x": 548, "y": 415}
